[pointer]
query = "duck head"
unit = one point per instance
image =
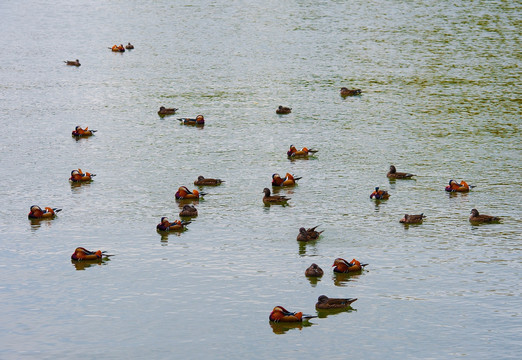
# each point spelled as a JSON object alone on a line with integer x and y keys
{"x": 302, "y": 231}
{"x": 35, "y": 208}
{"x": 322, "y": 299}
{"x": 341, "y": 262}
{"x": 393, "y": 170}
{"x": 75, "y": 172}
{"x": 266, "y": 191}
{"x": 474, "y": 212}
{"x": 201, "y": 178}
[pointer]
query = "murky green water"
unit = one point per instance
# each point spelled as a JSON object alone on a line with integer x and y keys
{"x": 441, "y": 98}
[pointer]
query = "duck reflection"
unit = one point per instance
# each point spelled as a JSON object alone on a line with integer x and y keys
{"x": 37, "y": 223}
{"x": 282, "y": 327}
{"x": 78, "y": 187}
{"x": 321, "y": 314}
{"x": 342, "y": 279}
{"x": 84, "y": 264}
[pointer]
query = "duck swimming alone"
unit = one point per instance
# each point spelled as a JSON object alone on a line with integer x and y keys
{"x": 308, "y": 234}
{"x": 166, "y": 111}
{"x": 476, "y": 218}
{"x": 199, "y": 120}
{"x": 281, "y": 110}
{"x": 274, "y": 199}
{"x": 349, "y": 92}
{"x": 129, "y": 46}
{"x": 79, "y": 176}
{"x": 342, "y": 266}
{"x": 73, "y": 62}
{"x": 379, "y": 194}
{"x": 184, "y": 193}
{"x": 176, "y": 225}
{"x": 82, "y": 254}
{"x": 35, "y": 212}
{"x": 188, "y": 210}
{"x": 280, "y": 314}
{"x": 412, "y": 219}
{"x": 303, "y": 153}
{"x": 202, "y": 181}
{"x": 79, "y": 132}
{"x": 453, "y": 186}
{"x": 314, "y": 271}
{"x": 289, "y": 180}
{"x": 326, "y": 303}
{"x": 393, "y": 174}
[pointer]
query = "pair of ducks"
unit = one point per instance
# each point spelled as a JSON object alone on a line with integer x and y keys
{"x": 280, "y": 314}
{"x": 340, "y": 266}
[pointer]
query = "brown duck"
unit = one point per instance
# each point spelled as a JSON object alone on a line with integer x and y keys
{"x": 209, "y": 182}
{"x": 274, "y": 199}
{"x": 326, "y": 303}
{"x": 166, "y": 111}
{"x": 412, "y": 219}
{"x": 393, "y": 174}
{"x": 73, "y": 63}
{"x": 188, "y": 210}
{"x": 129, "y": 46}
{"x": 308, "y": 234}
{"x": 283, "y": 110}
{"x": 314, "y": 271}
{"x": 349, "y": 92}
{"x": 476, "y": 218}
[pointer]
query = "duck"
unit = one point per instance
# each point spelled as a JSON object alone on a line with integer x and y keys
{"x": 280, "y": 314}
{"x": 199, "y": 120}
{"x": 342, "y": 266}
{"x": 476, "y": 218}
{"x": 453, "y": 186}
{"x": 176, "y": 225}
{"x": 117, "y": 48}
{"x": 314, "y": 271}
{"x": 412, "y": 219}
{"x": 166, "y": 111}
{"x": 308, "y": 234}
{"x": 79, "y": 176}
{"x": 349, "y": 92}
{"x": 184, "y": 193}
{"x": 188, "y": 210}
{"x": 35, "y": 212}
{"x": 281, "y": 110}
{"x": 82, "y": 254}
{"x": 202, "y": 181}
{"x": 274, "y": 199}
{"x": 326, "y": 303}
{"x": 303, "y": 153}
{"x": 79, "y": 132}
{"x": 379, "y": 194}
{"x": 129, "y": 46}
{"x": 73, "y": 62}
{"x": 289, "y": 180}
{"x": 393, "y": 174}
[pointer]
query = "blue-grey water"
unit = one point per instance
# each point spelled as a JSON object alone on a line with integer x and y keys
{"x": 441, "y": 98}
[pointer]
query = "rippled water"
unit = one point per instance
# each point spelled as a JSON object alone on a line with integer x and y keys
{"x": 441, "y": 98}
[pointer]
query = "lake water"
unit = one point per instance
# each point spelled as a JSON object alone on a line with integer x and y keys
{"x": 441, "y": 98}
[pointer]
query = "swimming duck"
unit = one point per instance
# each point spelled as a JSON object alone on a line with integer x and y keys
{"x": 73, "y": 63}
{"x": 349, "y": 92}
{"x": 379, "y": 194}
{"x": 201, "y": 181}
{"x": 303, "y": 153}
{"x": 281, "y": 110}
{"x": 117, "y": 48}
{"x": 308, "y": 234}
{"x": 35, "y": 212}
{"x": 476, "y": 218}
{"x": 314, "y": 271}
{"x": 289, "y": 180}
{"x": 326, "y": 303}
{"x": 184, "y": 193}
{"x": 280, "y": 314}
{"x": 129, "y": 46}
{"x": 199, "y": 120}
{"x": 412, "y": 219}
{"x": 166, "y": 111}
{"x": 79, "y": 176}
{"x": 274, "y": 199}
{"x": 79, "y": 132}
{"x": 82, "y": 254}
{"x": 393, "y": 174}
{"x": 453, "y": 186}
{"x": 166, "y": 225}
{"x": 188, "y": 210}
{"x": 343, "y": 266}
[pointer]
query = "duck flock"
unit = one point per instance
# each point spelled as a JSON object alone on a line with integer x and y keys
{"x": 186, "y": 198}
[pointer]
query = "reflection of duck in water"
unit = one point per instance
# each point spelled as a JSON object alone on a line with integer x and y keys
{"x": 280, "y": 314}
{"x": 314, "y": 271}
{"x": 393, "y": 174}
{"x": 342, "y": 266}
{"x": 35, "y": 212}
{"x": 326, "y": 303}
{"x": 476, "y": 218}
{"x": 412, "y": 219}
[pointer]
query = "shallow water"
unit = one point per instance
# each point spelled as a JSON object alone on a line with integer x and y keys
{"x": 441, "y": 98}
